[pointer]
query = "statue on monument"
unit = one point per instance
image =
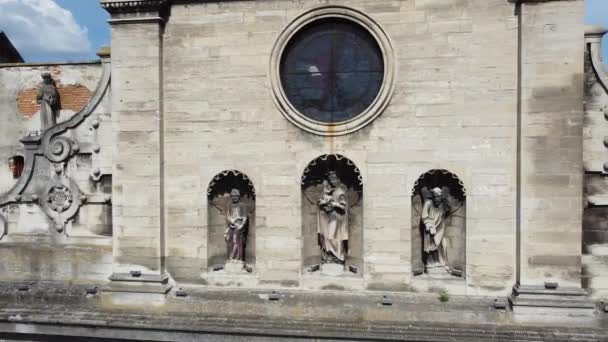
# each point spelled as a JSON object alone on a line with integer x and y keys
{"x": 48, "y": 98}
{"x": 434, "y": 212}
{"x": 236, "y": 228}
{"x": 332, "y": 226}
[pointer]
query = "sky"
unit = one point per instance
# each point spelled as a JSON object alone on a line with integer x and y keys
{"x": 55, "y": 30}
{"x": 596, "y": 13}
{"x": 73, "y": 30}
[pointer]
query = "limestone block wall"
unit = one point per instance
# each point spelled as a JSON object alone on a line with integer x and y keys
{"x": 137, "y": 127}
{"x": 478, "y": 93}
{"x": 595, "y": 150}
{"x": 595, "y": 228}
{"x": 552, "y": 36}
{"x": 454, "y": 107}
{"x": 30, "y": 246}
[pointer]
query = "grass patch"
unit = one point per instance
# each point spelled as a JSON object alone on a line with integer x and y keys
{"x": 444, "y": 296}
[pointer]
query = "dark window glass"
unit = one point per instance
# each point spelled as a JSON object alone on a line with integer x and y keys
{"x": 332, "y": 70}
{"x": 16, "y": 165}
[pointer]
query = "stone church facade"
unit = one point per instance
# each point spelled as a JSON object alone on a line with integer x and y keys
{"x": 494, "y": 108}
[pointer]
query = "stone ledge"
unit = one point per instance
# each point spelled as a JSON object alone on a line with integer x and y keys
{"x": 43, "y": 64}
{"x": 144, "y": 283}
{"x": 595, "y": 30}
{"x": 540, "y": 290}
{"x": 61, "y": 311}
{"x": 538, "y": 300}
{"x": 598, "y": 200}
{"x": 301, "y": 331}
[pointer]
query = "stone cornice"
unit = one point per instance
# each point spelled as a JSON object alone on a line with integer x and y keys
{"x": 535, "y": 1}
{"x": 593, "y": 31}
{"x": 204, "y": 1}
{"x": 128, "y": 6}
{"x": 133, "y": 6}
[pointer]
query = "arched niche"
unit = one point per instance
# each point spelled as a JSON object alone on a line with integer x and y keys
{"x": 10, "y": 175}
{"x": 16, "y": 164}
{"x": 218, "y": 196}
{"x": 312, "y": 189}
{"x": 454, "y": 237}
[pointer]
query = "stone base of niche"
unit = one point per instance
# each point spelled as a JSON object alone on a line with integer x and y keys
{"x": 139, "y": 283}
{"x": 335, "y": 270}
{"x": 236, "y": 267}
{"x": 439, "y": 279}
{"x": 332, "y": 277}
{"x": 231, "y": 274}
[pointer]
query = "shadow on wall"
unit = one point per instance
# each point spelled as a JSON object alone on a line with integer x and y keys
{"x": 3, "y": 225}
{"x": 595, "y": 218}
{"x": 9, "y": 176}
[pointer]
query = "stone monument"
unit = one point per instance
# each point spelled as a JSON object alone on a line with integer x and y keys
{"x": 236, "y": 233}
{"x": 434, "y": 212}
{"x": 48, "y": 98}
{"x": 439, "y": 225}
{"x": 332, "y": 227}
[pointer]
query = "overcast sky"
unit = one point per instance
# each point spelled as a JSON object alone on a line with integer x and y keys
{"x": 73, "y": 30}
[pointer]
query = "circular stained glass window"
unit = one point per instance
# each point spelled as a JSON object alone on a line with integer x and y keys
{"x": 332, "y": 70}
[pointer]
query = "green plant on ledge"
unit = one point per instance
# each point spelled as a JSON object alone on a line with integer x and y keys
{"x": 444, "y": 296}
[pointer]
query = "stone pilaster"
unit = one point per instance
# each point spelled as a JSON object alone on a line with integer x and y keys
{"x": 137, "y": 119}
{"x": 550, "y": 153}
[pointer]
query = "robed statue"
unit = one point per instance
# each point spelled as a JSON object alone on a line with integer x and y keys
{"x": 48, "y": 98}
{"x": 332, "y": 226}
{"x": 236, "y": 227}
{"x": 434, "y": 213}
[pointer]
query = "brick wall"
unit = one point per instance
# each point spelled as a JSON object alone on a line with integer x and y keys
{"x": 72, "y": 97}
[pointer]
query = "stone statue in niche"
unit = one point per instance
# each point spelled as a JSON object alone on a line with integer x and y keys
{"x": 435, "y": 210}
{"x": 236, "y": 232}
{"x": 48, "y": 98}
{"x": 332, "y": 226}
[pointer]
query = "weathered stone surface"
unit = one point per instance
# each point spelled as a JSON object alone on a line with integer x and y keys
{"x": 551, "y": 141}
{"x": 16, "y": 78}
{"x": 138, "y": 175}
{"x": 191, "y": 98}
{"x": 237, "y": 315}
{"x": 234, "y": 267}
{"x": 32, "y": 248}
{"x": 595, "y": 231}
{"x": 457, "y": 82}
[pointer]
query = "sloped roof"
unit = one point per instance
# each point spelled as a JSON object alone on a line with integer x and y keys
{"x": 8, "y": 52}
